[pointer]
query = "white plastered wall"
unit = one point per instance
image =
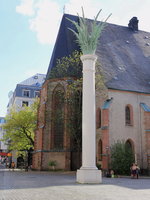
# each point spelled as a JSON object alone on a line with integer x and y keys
{"x": 117, "y": 128}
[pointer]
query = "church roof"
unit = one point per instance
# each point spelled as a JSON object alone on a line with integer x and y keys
{"x": 124, "y": 55}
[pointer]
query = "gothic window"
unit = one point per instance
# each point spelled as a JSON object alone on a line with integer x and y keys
{"x": 130, "y": 145}
{"x": 58, "y": 118}
{"x": 75, "y": 119}
{"x": 98, "y": 118}
{"x": 128, "y": 115}
{"x": 100, "y": 150}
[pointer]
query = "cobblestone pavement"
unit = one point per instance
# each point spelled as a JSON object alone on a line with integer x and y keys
{"x": 31, "y": 185}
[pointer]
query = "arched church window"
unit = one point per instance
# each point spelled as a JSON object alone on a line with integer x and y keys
{"x": 75, "y": 119}
{"x": 130, "y": 145}
{"x": 98, "y": 118}
{"x": 58, "y": 117}
{"x": 128, "y": 115}
{"x": 100, "y": 150}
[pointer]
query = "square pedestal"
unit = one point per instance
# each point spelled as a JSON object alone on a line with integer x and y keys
{"x": 89, "y": 176}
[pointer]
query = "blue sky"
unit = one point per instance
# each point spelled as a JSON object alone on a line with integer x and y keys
{"x": 29, "y": 28}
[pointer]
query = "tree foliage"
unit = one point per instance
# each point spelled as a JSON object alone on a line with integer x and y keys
{"x": 122, "y": 158}
{"x": 74, "y": 102}
{"x": 69, "y": 66}
{"x": 20, "y": 126}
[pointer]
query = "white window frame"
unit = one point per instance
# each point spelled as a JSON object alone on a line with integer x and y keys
{"x": 25, "y": 91}
{"x": 36, "y": 92}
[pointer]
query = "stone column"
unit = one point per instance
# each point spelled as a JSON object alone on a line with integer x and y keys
{"x": 88, "y": 173}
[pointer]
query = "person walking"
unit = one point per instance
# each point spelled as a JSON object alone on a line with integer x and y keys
{"x": 137, "y": 171}
{"x": 13, "y": 166}
{"x": 134, "y": 171}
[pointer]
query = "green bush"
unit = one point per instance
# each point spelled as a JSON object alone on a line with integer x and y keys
{"x": 98, "y": 166}
{"x": 52, "y": 163}
{"x": 122, "y": 158}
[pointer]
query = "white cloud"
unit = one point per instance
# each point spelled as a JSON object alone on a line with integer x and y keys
{"x": 25, "y": 7}
{"x": 122, "y": 11}
{"x": 91, "y": 7}
{"x": 47, "y": 15}
{"x": 44, "y": 15}
{"x": 46, "y": 19}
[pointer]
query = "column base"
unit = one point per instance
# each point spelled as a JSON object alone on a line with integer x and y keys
{"x": 89, "y": 176}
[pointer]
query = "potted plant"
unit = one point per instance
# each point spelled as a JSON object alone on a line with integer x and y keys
{"x": 52, "y": 164}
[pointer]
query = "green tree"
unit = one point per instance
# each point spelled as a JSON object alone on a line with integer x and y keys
{"x": 20, "y": 126}
{"x": 121, "y": 158}
{"x": 68, "y": 66}
{"x": 74, "y": 101}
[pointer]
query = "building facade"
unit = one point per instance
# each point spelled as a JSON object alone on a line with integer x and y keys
{"x": 24, "y": 95}
{"x": 26, "y": 91}
{"x": 122, "y": 106}
{"x": 3, "y": 146}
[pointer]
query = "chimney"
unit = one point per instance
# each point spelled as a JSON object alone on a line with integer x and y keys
{"x": 133, "y": 24}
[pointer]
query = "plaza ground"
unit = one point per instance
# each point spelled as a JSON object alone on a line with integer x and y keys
{"x": 33, "y": 185}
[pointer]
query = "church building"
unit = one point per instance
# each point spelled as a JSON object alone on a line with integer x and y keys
{"x": 122, "y": 108}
